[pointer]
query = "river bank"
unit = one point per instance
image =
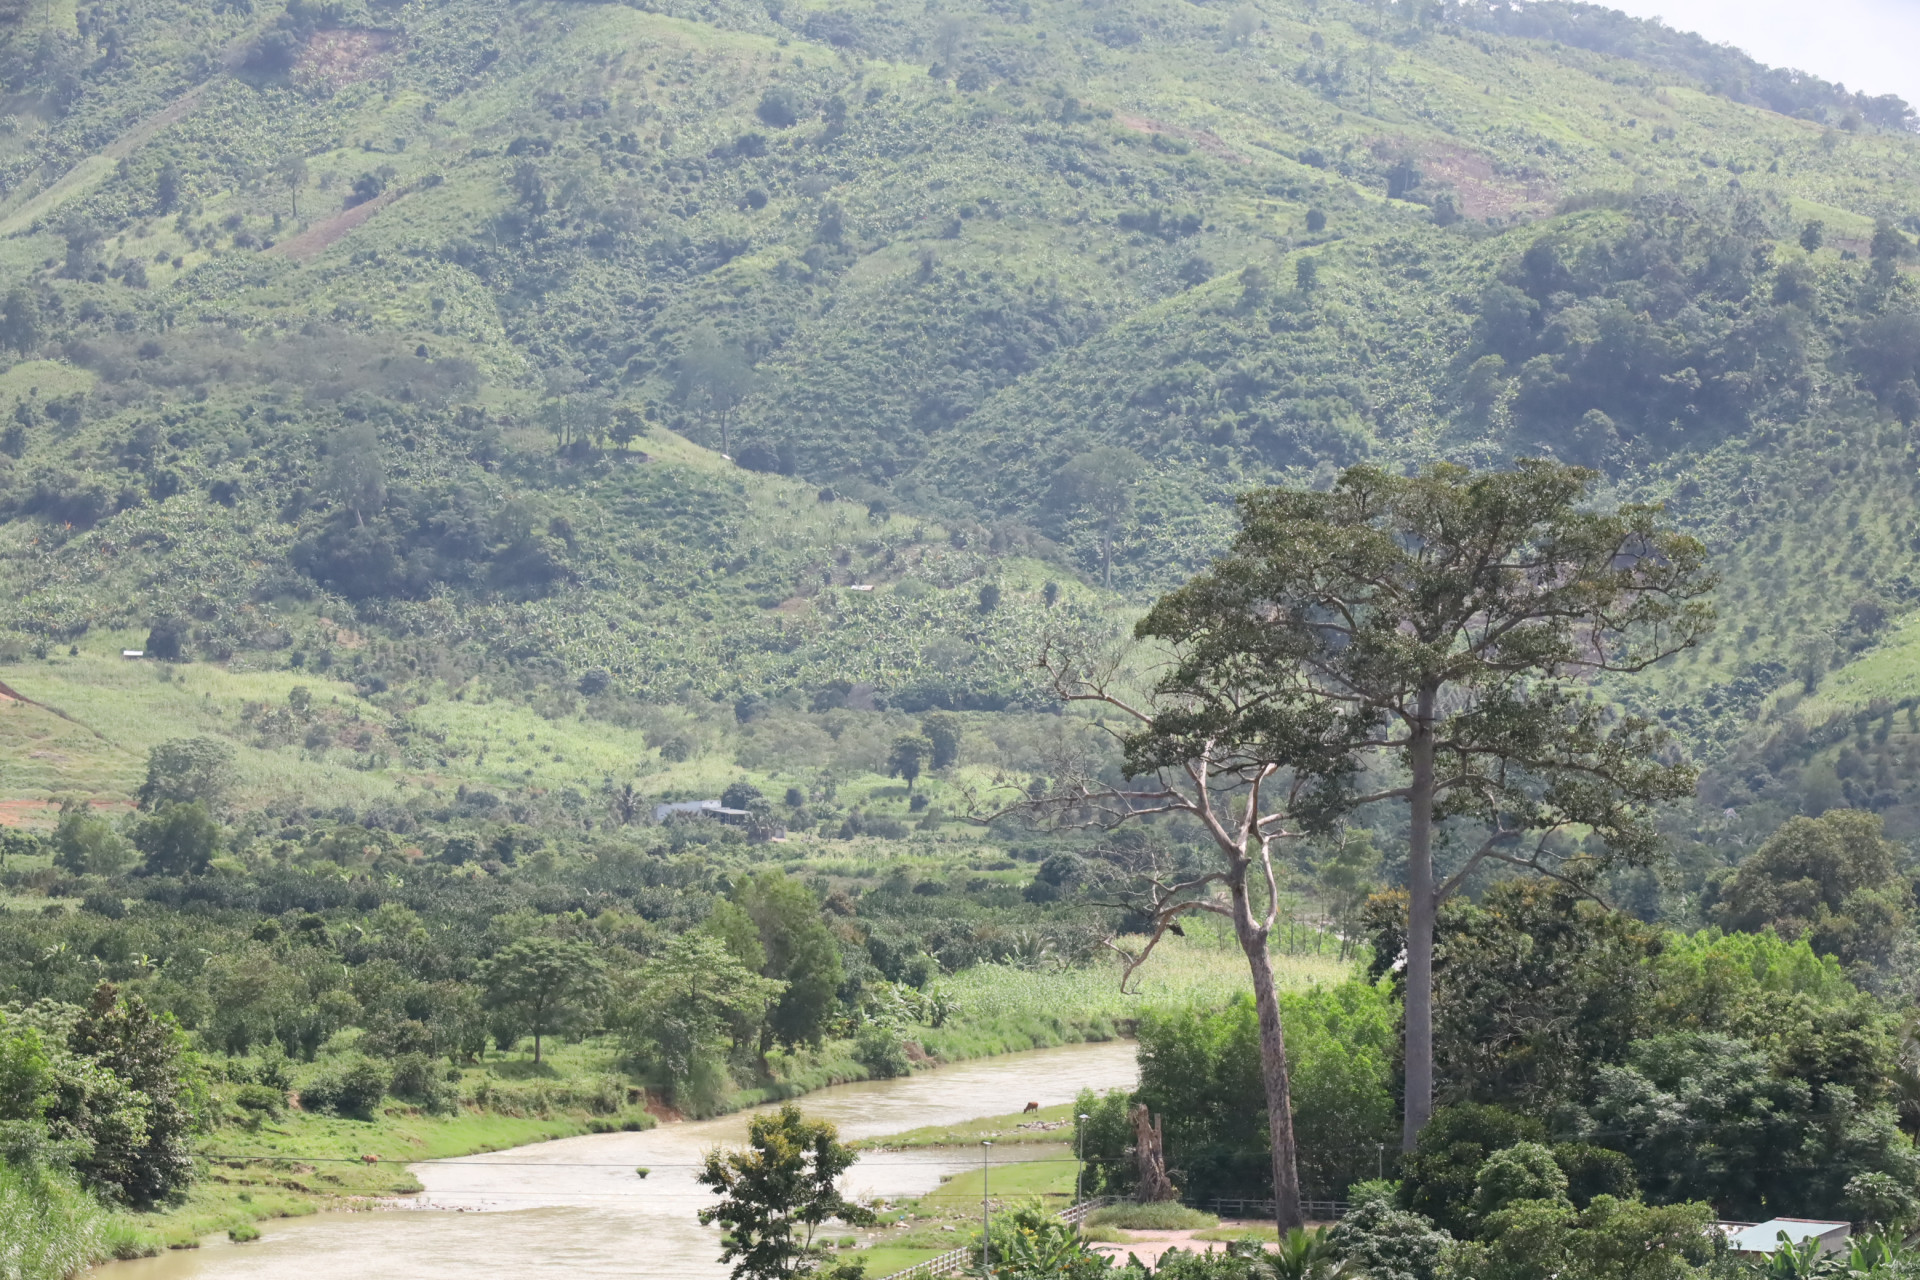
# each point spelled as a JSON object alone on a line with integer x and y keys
{"x": 579, "y": 1208}
{"x": 298, "y": 1163}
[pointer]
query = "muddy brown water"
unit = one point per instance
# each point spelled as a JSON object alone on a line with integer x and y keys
{"x": 576, "y": 1208}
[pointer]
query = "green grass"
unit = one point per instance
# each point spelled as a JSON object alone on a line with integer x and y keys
{"x": 301, "y": 1164}
{"x": 1250, "y": 1235}
{"x": 1197, "y": 969}
{"x": 1152, "y": 1217}
{"x": 885, "y": 1260}
{"x": 1007, "y": 1130}
{"x": 53, "y": 1229}
{"x": 1048, "y": 1178}
{"x": 1885, "y": 671}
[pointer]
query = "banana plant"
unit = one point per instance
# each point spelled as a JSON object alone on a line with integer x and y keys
{"x": 1876, "y": 1257}
{"x": 1302, "y": 1255}
{"x": 1803, "y": 1261}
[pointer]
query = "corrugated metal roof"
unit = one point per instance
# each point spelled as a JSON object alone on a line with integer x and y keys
{"x": 1764, "y": 1237}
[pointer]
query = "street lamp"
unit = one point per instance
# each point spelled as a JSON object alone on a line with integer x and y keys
{"x": 986, "y": 1237}
{"x": 1080, "y": 1155}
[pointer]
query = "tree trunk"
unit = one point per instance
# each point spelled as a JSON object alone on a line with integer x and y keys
{"x": 1421, "y": 909}
{"x": 536, "y": 1048}
{"x": 1154, "y": 1186}
{"x": 1273, "y": 1059}
{"x": 1279, "y": 1089}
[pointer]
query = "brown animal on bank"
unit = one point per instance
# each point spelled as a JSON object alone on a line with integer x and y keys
{"x": 1031, "y": 1106}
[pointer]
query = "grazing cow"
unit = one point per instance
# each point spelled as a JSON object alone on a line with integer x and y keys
{"x": 369, "y": 1159}
{"x": 1031, "y": 1106}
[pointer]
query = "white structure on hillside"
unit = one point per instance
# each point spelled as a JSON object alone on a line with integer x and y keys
{"x": 1764, "y": 1237}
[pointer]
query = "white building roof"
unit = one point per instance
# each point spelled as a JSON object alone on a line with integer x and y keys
{"x": 698, "y": 808}
{"x": 1764, "y": 1237}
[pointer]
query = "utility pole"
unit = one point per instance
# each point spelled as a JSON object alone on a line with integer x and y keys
{"x": 986, "y": 1236}
{"x": 1080, "y": 1159}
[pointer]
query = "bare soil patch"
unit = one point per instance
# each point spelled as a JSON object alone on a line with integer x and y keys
{"x": 314, "y": 241}
{"x": 44, "y": 815}
{"x": 344, "y": 55}
{"x": 1207, "y": 141}
{"x": 1481, "y": 190}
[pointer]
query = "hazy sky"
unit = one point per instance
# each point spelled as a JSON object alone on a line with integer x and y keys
{"x": 1865, "y": 44}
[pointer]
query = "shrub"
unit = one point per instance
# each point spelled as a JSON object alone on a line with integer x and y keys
{"x": 1178, "y": 1264}
{"x": 1105, "y": 1141}
{"x": 1442, "y": 1173}
{"x": 104, "y": 904}
{"x": 878, "y": 1049}
{"x": 417, "y": 1078}
{"x": 1386, "y": 1243}
{"x": 260, "y": 1099}
{"x": 1595, "y": 1171}
{"x": 779, "y": 107}
{"x": 1524, "y": 1171}
{"x": 352, "y": 1089}
{"x": 1164, "y": 1216}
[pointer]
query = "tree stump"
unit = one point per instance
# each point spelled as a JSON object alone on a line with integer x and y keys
{"x": 1154, "y": 1185}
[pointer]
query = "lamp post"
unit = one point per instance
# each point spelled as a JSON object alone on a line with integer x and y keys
{"x": 986, "y": 1237}
{"x": 1080, "y": 1158}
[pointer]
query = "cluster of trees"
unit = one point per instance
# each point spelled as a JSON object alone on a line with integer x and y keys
{"x": 1580, "y": 345}
{"x": 266, "y": 935}
{"x": 1608, "y": 1087}
{"x": 1405, "y": 640}
{"x": 103, "y": 1091}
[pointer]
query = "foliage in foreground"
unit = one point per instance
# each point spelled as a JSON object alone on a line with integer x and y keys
{"x": 777, "y": 1193}
{"x": 50, "y": 1227}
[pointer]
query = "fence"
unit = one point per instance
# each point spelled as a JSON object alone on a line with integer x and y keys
{"x": 1315, "y": 1210}
{"x": 1076, "y": 1214}
{"x": 948, "y": 1263}
{"x": 954, "y": 1260}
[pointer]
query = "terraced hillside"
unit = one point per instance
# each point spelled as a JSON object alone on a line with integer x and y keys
{"x": 603, "y": 350}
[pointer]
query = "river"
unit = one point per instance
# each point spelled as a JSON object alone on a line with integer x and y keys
{"x": 575, "y": 1207}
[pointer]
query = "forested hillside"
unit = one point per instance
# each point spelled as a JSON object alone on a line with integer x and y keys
{"x": 398, "y": 314}
{"x": 489, "y": 421}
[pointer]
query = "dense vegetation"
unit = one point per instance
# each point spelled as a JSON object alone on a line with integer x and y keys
{"x": 495, "y": 419}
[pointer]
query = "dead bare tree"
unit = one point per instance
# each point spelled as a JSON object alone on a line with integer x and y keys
{"x": 1252, "y": 764}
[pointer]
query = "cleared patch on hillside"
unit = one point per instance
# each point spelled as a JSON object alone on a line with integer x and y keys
{"x": 1483, "y": 191}
{"x": 315, "y": 240}
{"x": 1206, "y": 140}
{"x": 341, "y": 56}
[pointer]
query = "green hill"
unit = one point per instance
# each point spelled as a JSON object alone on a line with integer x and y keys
{"x": 397, "y": 348}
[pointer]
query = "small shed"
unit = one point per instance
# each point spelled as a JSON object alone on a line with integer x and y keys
{"x": 132, "y": 654}
{"x": 1761, "y": 1238}
{"x": 697, "y": 809}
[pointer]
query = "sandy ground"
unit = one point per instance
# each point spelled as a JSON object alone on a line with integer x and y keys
{"x": 1149, "y": 1245}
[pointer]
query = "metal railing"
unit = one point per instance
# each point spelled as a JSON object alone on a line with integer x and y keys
{"x": 1315, "y": 1210}
{"x": 946, "y": 1264}
{"x": 1075, "y": 1214}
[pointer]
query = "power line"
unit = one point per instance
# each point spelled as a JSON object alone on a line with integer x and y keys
{"x": 568, "y": 1164}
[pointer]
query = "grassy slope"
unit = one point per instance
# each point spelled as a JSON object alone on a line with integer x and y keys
{"x": 1179, "y": 120}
